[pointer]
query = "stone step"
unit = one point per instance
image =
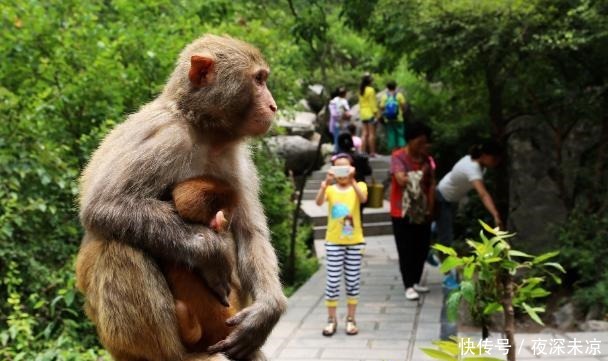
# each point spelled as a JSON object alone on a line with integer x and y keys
{"x": 379, "y": 162}
{"x": 309, "y": 194}
{"x": 369, "y": 229}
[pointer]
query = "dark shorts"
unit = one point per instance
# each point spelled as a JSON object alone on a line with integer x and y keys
{"x": 371, "y": 120}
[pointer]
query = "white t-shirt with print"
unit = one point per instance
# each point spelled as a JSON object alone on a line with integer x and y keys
{"x": 337, "y": 107}
{"x": 455, "y": 185}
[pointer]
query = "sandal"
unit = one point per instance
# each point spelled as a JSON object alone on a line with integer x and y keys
{"x": 351, "y": 326}
{"x": 330, "y": 328}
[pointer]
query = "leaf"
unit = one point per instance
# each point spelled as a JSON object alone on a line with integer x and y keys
{"x": 538, "y": 293}
{"x": 445, "y": 249}
{"x": 468, "y": 291}
{"x": 555, "y": 265}
{"x": 532, "y": 281}
{"x": 439, "y": 355}
{"x": 48, "y": 330}
{"x": 555, "y": 278}
{"x": 449, "y": 263}
{"x": 532, "y": 313}
{"x": 450, "y": 347}
{"x": 54, "y": 303}
{"x": 545, "y": 256}
{"x": 69, "y": 297}
{"x": 519, "y": 254}
{"x": 469, "y": 270}
{"x": 492, "y": 307}
{"x": 477, "y": 246}
{"x": 487, "y": 228}
{"x": 453, "y": 303}
{"x": 500, "y": 246}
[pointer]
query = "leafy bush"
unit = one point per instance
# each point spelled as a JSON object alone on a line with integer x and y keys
{"x": 492, "y": 266}
{"x": 276, "y": 194}
{"x": 582, "y": 240}
{"x": 497, "y": 278}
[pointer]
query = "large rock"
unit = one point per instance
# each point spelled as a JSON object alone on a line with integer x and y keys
{"x": 299, "y": 123}
{"x": 298, "y": 152}
{"x": 303, "y": 105}
{"x": 594, "y": 326}
{"x": 536, "y": 199}
{"x": 565, "y": 317}
{"x": 316, "y": 97}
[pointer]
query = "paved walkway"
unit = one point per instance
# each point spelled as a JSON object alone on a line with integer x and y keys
{"x": 391, "y": 327}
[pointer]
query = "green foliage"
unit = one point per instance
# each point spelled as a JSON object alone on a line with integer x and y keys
{"x": 333, "y": 53}
{"x": 583, "y": 243}
{"x": 43, "y": 328}
{"x": 492, "y": 260}
{"x": 276, "y": 194}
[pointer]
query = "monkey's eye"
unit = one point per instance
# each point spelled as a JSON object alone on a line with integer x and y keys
{"x": 260, "y": 77}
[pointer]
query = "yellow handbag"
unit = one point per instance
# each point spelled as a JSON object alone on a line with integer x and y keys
{"x": 375, "y": 195}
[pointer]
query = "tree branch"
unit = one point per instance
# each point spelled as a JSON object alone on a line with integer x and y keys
{"x": 293, "y": 9}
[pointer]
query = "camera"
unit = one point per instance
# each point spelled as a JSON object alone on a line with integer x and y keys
{"x": 340, "y": 171}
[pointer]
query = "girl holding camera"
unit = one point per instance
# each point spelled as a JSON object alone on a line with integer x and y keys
{"x": 344, "y": 238}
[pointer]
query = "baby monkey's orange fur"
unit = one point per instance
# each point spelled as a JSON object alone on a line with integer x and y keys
{"x": 201, "y": 317}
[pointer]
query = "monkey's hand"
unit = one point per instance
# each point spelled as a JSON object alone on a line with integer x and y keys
{"x": 252, "y": 326}
{"x": 219, "y": 223}
{"x": 214, "y": 264}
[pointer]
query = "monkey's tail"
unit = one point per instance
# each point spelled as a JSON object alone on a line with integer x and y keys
{"x": 190, "y": 329}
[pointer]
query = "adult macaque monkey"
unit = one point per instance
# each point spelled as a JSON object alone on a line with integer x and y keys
{"x": 215, "y": 99}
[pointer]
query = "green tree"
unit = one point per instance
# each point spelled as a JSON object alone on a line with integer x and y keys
{"x": 503, "y": 59}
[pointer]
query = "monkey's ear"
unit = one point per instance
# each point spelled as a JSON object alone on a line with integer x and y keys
{"x": 201, "y": 70}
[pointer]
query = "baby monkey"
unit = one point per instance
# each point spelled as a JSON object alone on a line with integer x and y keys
{"x": 201, "y": 317}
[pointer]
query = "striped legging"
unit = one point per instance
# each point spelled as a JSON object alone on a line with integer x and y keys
{"x": 347, "y": 258}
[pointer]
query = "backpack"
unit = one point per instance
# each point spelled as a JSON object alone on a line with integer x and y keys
{"x": 391, "y": 108}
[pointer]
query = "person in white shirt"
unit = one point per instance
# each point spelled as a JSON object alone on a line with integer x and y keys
{"x": 339, "y": 114}
{"x": 466, "y": 174}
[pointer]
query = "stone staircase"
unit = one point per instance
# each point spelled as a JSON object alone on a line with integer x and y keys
{"x": 376, "y": 221}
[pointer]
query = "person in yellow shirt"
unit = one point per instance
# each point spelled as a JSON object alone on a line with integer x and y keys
{"x": 392, "y": 107}
{"x": 368, "y": 113}
{"x": 344, "y": 238}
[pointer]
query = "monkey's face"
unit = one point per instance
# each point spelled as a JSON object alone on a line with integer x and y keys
{"x": 227, "y": 95}
{"x": 263, "y": 109}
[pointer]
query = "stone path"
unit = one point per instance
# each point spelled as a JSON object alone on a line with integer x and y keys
{"x": 391, "y": 327}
